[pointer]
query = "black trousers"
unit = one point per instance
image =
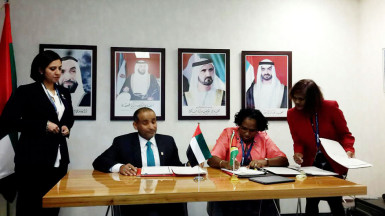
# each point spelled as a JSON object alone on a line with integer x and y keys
{"x": 32, "y": 184}
{"x": 335, "y": 204}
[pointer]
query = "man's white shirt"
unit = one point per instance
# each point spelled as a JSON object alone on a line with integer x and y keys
{"x": 143, "y": 150}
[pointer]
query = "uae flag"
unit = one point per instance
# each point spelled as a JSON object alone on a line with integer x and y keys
{"x": 198, "y": 151}
{"x": 7, "y": 85}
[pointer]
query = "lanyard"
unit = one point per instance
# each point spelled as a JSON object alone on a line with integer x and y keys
{"x": 316, "y": 131}
{"x": 248, "y": 152}
{"x": 51, "y": 98}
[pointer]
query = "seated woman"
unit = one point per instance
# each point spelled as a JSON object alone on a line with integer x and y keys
{"x": 256, "y": 150}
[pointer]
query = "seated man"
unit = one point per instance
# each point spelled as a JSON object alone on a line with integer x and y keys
{"x": 144, "y": 148}
{"x": 256, "y": 150}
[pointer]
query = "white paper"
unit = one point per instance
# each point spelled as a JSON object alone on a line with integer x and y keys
{"x": 282, "y": 171}
{"x": 338, "y": 154}
{"x": 156, "y": 170}
{"x": 244, "y": 171}
{"x": 312, "y": 170}
{"x": 188, "y": 170}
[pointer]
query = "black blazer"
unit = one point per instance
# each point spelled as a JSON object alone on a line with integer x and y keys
{"x": 27, "y": 111}
{"x": 126, "y": 149}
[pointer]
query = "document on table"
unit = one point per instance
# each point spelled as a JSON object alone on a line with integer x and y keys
{"x": 244, "y": 171}
{"x": 171, "y": 170}
{"x": 293, "y": 170}
{"x": 312, "y": 170}
{"x": 156, "y": 170}
{"x": 188, "y": 170}
{"x": 282, "y": 171}
{"x": 338, "y": 154}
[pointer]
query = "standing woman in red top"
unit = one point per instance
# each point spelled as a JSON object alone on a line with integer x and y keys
{"x": 313, "y": 118}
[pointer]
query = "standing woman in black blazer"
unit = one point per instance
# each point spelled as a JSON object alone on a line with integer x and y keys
{"x": 42, "y": 113}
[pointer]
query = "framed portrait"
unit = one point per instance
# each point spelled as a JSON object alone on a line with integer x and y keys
{"x": 266, "y": 81}
{"x": 78, "y": 76}
{"x": 203, "y": 84}
{"x": 137, "y": 80}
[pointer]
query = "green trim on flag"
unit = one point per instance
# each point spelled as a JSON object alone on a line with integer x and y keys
{"x": 13, "y": 136}
{"x": 13, "y": 67}
{"x": 203, "y": 146}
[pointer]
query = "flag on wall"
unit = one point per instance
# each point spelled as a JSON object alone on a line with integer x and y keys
{"x": 198, "y": 151}
{"x": 7, "y": 85}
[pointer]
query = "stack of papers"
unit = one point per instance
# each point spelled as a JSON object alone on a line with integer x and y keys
{"x": 171, "y": 171}
{"x": 244, "y": 172}
{"x": 282, "y": 171}
{"x": 296, "y": 170}
{"x": 338, "y": 154}
{"x": 156, "y": 170}
{"x": 188, "y": 170}
{"x": 312, "y": 170}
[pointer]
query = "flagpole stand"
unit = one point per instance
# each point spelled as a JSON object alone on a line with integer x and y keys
{"x": 199, "y": 177}
{"x": 234, "y": 178}
{"x": 234, "y": 181}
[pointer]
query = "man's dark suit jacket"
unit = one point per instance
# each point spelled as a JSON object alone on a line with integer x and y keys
{"x": 126, "y": 149}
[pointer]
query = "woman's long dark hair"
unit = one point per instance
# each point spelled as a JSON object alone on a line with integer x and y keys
{"x": 313, "y": 95}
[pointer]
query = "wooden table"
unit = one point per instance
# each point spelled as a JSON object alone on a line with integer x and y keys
{"x": 93, "y": 188}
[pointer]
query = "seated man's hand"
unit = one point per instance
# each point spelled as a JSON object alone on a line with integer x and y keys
{"x": 128, "y": 170}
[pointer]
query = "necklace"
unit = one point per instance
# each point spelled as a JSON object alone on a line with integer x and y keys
{"x": 51, "y": 96}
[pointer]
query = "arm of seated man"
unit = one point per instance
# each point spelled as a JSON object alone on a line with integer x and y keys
{"x": 124, "y": 169}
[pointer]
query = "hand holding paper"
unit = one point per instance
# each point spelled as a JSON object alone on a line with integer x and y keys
{"x": 338, "y": 154}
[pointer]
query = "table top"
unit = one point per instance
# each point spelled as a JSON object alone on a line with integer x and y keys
{"x": 94, "y": 188}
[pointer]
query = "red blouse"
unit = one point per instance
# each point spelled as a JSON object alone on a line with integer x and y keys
{"x": 332, "y": 125}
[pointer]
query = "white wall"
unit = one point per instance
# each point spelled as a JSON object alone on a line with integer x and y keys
{"x": 336, "y": 43}
{"x": 367, "y": 103}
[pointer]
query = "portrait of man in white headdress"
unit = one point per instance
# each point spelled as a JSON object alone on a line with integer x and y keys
{"x": 205, "y": 87}
{"x": 141, "y": 85}
{"x": 266, "y": 91}
{"x": 71, "y": 79}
